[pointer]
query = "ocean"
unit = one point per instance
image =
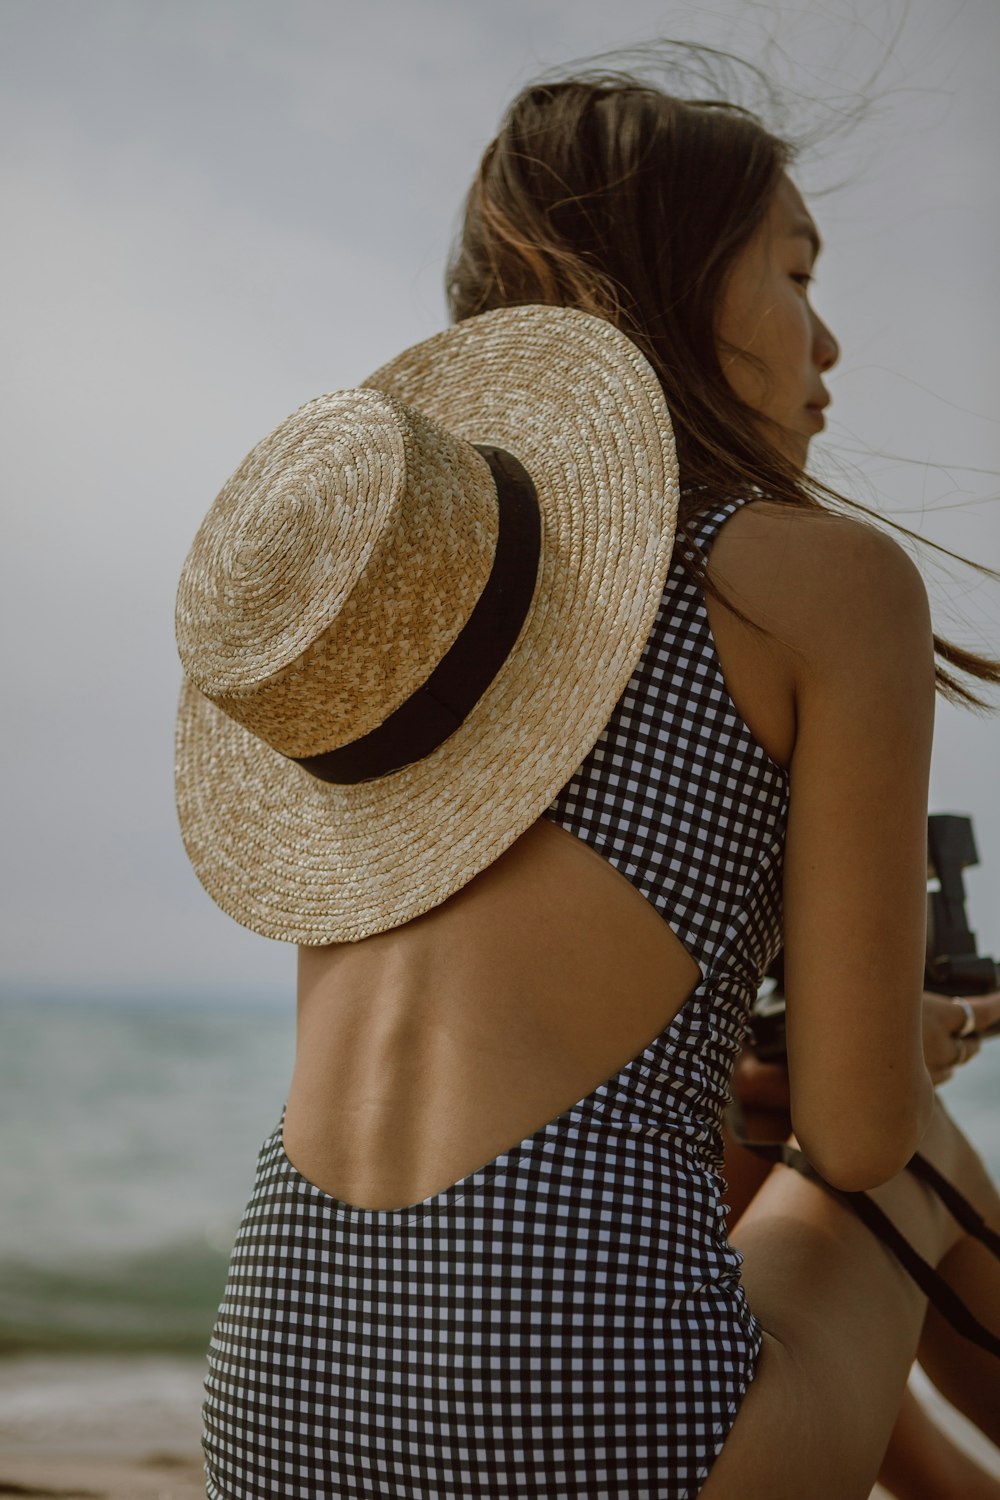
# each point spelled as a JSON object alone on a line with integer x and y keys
{"x": 128, "y": 1142}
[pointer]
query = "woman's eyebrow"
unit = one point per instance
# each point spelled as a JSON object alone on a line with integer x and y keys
{"x": 806, "y": 229}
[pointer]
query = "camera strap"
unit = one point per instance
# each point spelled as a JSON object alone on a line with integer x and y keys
{"x": 933, "y": 1285}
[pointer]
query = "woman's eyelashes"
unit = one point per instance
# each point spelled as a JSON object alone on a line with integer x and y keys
{"x": 805, "y": 278}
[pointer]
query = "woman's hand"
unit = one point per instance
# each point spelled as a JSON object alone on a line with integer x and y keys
{"x": 944, "y": 1048}
{"x": 761, "y": 1085}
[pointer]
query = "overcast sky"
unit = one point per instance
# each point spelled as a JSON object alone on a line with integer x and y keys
{"x": 217, "y": 209}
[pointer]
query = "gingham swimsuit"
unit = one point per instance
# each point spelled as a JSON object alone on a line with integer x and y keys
{"x": 566, "y": 1321}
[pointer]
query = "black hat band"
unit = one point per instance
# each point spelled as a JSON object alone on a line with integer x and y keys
{"x": 437, "y": 708}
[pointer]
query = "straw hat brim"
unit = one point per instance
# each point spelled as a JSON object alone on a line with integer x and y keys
{"x": 305, "y": 861}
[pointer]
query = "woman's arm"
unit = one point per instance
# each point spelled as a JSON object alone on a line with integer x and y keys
{"x": 855, "y": 879}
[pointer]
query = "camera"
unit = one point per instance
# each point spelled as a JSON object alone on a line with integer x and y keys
{"x": 951, "y": 967}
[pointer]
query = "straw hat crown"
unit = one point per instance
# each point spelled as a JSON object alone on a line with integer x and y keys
{"x": 357, "y": 533}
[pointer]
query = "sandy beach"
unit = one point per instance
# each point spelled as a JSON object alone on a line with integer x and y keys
{"x": 101, "y": 1428}
{"x": 159, "y": 1476}
{"x": 106, "y": 1428}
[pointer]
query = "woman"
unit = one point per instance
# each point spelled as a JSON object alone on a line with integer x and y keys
{"x": 467, "y": 721}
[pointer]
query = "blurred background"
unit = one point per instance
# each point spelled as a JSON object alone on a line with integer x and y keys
{"x": 215, "y": 210}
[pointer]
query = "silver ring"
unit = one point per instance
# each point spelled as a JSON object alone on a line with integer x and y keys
{"x": 969, "y": 1024}
{"x": 961, "y": 1054}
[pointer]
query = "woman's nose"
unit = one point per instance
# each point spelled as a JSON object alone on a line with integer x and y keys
{"x": 826, "y": 346}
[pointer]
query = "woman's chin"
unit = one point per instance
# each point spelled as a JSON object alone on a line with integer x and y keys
{"x": 790, "y": 442}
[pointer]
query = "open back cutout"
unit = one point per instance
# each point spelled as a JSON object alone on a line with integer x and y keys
{"x": 427, "y": 1051}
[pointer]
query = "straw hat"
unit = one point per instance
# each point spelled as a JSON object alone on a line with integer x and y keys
{"x": 496, "y": 507}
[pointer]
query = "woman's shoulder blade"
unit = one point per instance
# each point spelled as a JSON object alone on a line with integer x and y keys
{"x": 818, "y": 579}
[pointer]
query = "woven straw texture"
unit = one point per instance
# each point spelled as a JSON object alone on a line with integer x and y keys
{"x": 304, "y": 861}
{"x": 347, "y": 551}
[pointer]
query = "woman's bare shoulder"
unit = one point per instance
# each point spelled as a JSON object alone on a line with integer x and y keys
{"x": 813, "y": 574}
{"x": 808, "y": 531}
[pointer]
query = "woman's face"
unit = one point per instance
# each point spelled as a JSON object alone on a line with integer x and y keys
{"x": 764, "y": 311}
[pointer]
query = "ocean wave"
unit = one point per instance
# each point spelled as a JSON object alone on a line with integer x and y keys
{"x": 156, "y": 1301}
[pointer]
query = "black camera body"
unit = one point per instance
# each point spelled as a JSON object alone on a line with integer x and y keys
{"x": 952, "y": 965}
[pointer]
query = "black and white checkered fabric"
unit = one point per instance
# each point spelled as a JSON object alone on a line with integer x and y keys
{"x": 567, "y": 1321}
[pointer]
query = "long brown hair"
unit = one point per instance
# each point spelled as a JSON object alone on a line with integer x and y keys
{"x": 605, "y": 193}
